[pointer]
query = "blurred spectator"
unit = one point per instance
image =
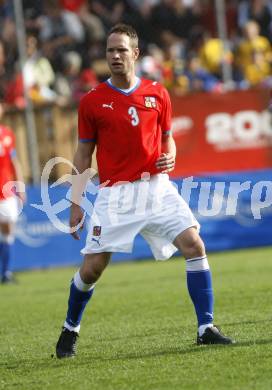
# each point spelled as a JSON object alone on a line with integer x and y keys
{"x": 258, "y": 70}
{"x": 251, "y": 43}
{"x": 14, "y": 90}
{"x": 110, "y": 12}
{"x": 172, "y": 19}
{"x": 213, "y": 54}
{"x": 33, "y": 10}
{"x": 72, "y": 5}
{"x": 173, "y": 64}
{"x": 74, "y": 82}
{"x": 93, "y": 25}
{"x": 138, "y": 13}
{"x": 170, "y": 30}
{"x": 6, "y": 77}
{"x": 150, "y": 65}
{"x": 3, "y": 75}
{"x": 61, "y": 31}
{"x": 198, "y": 78}
{"x": 258, "y": 10}
{"x": 38, "y": 73}
{"x": 7, "y": 32}
{"x": 137, "y": 4}
{"x": 95, "y": 31}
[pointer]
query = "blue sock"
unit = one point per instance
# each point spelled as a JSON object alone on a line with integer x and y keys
{"x": 199, "y": 282}
{"x": 77, "y": 302}
{"x": 5, "y": 258}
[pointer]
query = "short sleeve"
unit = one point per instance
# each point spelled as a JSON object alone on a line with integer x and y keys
{"x": 166, "y": 112}
{"x": 86, "y": 125}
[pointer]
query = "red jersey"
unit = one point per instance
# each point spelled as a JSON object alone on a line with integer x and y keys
{"x": 7, "y": 150}
{"x": 127, "y": 128}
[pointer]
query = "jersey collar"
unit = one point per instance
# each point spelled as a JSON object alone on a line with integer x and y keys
{"x": 136, "y": 86}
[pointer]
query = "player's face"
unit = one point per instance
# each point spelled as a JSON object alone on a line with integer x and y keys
{"x": 121, "y": 56}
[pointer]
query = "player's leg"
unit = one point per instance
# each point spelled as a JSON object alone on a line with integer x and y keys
{"x": 199, "y": 280}
{"x": 8, "y": 218}
{"x": 82, "y": 287}
{"x": 6, "y": 240}
{"x": 199, "y": 283}
{"x": 81, "y": 291}
{"x": 110, "y": 230}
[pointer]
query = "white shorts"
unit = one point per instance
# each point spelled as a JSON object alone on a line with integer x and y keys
{"x": 152, "y": 208}
{"x": 9, "y": 210}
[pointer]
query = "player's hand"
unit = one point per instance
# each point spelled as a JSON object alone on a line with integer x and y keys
{"x": 76, "y": 217}
{"x": 166, "y": 162}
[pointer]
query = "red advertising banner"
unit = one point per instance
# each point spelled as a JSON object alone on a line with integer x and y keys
{"x": 222, "y": 132}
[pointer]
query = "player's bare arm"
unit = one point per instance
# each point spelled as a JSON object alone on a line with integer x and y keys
{"x": 18, "y": 176}
{"x": 82, "y": 161}
{"x": 166, "y": 161}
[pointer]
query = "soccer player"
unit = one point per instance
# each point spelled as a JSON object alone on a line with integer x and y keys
{"x": 128, "y": 119}
{"x": 10, "y": 170}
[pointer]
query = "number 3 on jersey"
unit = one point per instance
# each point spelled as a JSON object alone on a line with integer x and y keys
{"x": 134, "y": 116}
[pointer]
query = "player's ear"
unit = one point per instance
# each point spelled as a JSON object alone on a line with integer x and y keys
{"x": 136, "y": 53}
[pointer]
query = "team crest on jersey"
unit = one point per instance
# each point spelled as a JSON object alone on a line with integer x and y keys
{"x": 96, "y": 231}
{"x": 150, "y": 102}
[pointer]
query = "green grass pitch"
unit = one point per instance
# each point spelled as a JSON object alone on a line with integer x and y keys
{"x": 139, "y": 331}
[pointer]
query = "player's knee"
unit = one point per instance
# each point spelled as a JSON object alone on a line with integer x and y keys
{"x": 91, "y": 274}
{"x": 190, "y": 244}
{"x": 92, "y": 268}
{"x": 194, "y": 248}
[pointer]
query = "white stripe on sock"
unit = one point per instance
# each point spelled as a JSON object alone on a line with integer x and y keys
{"x": 72, "y": 328}
{"x": 80, "y": 285}
{"x": 197, "y": 264}
{"x": 202, "y": 328}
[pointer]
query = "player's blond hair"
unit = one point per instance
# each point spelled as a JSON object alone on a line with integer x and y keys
{"x": 122, "y": 28}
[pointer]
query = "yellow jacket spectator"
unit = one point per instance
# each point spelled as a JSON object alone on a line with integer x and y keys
{"x": 258, "y": 70}
{"x": 252, "y": 42}
{"x": 212, "y": 55}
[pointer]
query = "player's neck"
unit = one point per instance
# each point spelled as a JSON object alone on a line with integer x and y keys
{"x": 123, "y": 82}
